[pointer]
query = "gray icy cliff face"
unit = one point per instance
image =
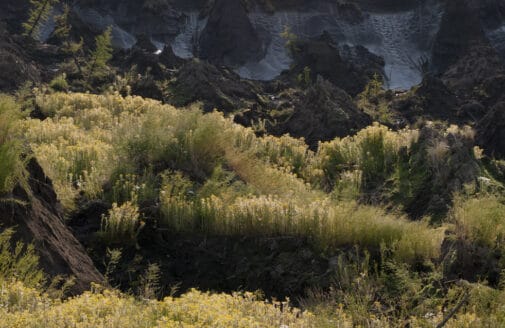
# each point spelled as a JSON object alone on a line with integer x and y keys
{"x": 402, "y": 38}
{"x": 401, "y": 32}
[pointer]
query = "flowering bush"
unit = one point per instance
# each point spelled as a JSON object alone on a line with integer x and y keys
{"x": 25, "y": 307}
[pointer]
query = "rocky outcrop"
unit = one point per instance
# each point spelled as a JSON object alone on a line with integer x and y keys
{"x": 220, "y": 89}
{"x": 15, "y": 65}
{"x": 437, "y": 101}
{"x": 470, "y": 261}
{"x": 349, "y": 68}
{"x": 13, "y": 12}
{"x": 491, "y": 131}
{"x": 491, "y": 90}
{"x": 462, "y": 53}
{"x": 229, "y": 37}
{"x": 37, "y": 218}
{"x": 460, "y": 31}
{"x": 157, "y": 19}
{"x": 387, "y": 5}
{"x": 478, "y": 64}
{"x": 146, "y": 68}
{"x": 323, "y": 112}
{"x": 491, "y": 12}
{"x": 435, "y": 179}
{"x": 432, "y": 100}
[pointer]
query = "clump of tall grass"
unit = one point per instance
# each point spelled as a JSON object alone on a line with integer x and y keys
{"x": 59, "y": 83}
{"x": 480, "y": 220}
{"x": 11, "y": 164}
{"x": 370, "y": 294}
{"x": 327, "y": 225}
{"x": 230, "y": 181}
{"x": 390, "y": 295}
{"x": 122, "y": 224}
{"x": 133, "y": 188}
{"x": 284, "y": 151}
{"x": 89, "y": 137}
{"x": 374, "y": 151}
{"x": 139, "y": 133}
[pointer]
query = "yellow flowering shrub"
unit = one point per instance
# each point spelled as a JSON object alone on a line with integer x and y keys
{"x": 25, "y": 307}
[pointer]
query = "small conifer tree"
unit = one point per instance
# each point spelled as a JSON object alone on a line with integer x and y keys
{"x": 62, "y": 27}
{"x": 97, "y": 64}
{"x": 68, "y": 46}
{"x": 374, "y": 87}
{"x": 291, "y": 40}
{"x": 39, "y": 13}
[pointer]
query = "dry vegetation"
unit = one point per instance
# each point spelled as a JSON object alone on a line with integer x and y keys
{"x": 355, "y": 303}
{"x": 209, "y": 176}
{"x": 11, "y": 166}
{"x": 26, "y": 307}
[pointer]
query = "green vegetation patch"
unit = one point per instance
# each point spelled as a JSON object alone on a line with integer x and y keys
{"x": 211, "y": 176}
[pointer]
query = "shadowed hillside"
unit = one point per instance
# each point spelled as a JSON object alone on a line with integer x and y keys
{"x": 267, "y": 163}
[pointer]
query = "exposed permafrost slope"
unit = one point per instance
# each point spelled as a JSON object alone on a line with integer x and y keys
{"x": 185, "y": 43}
{"x": 497, "y": 38}
{"x": 402, "y": 36}
{"x": 37, "y": 219}
{"x": 403, "y": 39}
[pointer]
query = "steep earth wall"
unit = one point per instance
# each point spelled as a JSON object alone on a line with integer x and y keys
{"x": 37, "y": 218}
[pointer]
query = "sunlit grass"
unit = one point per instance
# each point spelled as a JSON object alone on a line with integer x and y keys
{"x": 269, "y": 186}
{"x": 11, "y": 164}
{"x": 480, "y": 220}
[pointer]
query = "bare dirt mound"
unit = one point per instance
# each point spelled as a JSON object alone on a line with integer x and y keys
{"x": 15, "y": 66}
{"x": 37, "y": 219}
